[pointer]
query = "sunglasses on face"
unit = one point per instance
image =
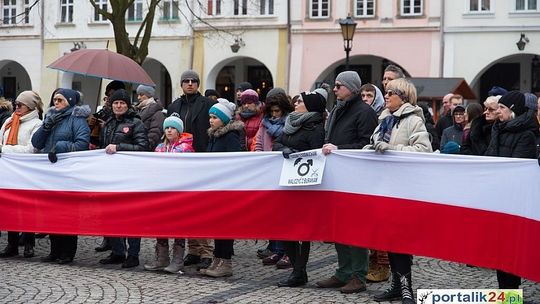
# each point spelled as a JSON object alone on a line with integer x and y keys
{"x": 57, "y": 99}
{"x": 396, "y": 92}
{"x": 190, "y": 81}
{"x": 338, "y": 85}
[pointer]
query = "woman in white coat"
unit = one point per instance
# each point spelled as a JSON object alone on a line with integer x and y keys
{"x": 15, "y": 137}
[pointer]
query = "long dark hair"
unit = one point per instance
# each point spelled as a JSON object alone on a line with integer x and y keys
{"x": 281, "y": 100}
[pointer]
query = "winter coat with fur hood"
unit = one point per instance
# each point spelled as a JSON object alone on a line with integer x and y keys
{"x": 226, "y": 138}
{"x": 514, "y": 138}
{"x": 29, "y": 124}
{"x": 67, "y": 135}
{"x": 127, "y": 133}
{"x": 6, "y": 108}
{"x": 409, "y": 132}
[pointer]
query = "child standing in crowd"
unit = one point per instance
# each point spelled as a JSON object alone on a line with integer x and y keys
{"x": 175, "y": 141}
{"x": 224, "y": 136}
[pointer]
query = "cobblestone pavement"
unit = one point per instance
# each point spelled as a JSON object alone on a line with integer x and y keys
{"x": 86, "y": 281}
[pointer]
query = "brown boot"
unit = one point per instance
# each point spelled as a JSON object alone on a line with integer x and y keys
{"x": 161, "y": 258}
{"x": 332, "y": 282}
{"x": 378, "y": 273}
{"x": 353, "y": 286}
{"x": 223, "y": 269}
{"x": 213, "y": 265}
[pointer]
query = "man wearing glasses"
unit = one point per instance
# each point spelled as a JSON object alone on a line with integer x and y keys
{"x": 193, "y": 107}
{"x": 350, "y": 125}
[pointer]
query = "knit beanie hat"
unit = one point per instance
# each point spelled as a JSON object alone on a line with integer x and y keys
{"x": 210, "y": 92}
{"x": 451, "y": 147}
{"x": 275, "y": 91}
{"x": 70, "y": 95}
{"x": 244, "y": 86}
{"x": 121, "y": 95}
{"x": 497, "y": 91}
{"x": 531, "y": 101}
{"x": 223, "y": 109}
{"x": 146, "y": 90}
{"x": 30, "y": 99}
{"x": 351, "y": 80}
{"x": 323, "y": 92}
{"x": 458, "y": 108}
{"x": 515, "y": 101}
{"x": 189, "y": 74}
{"x": 115, "y": 85}
{"x": 249, "y": 96}
{"x": 314, "y": 101}
{"x": 175, "y": 122}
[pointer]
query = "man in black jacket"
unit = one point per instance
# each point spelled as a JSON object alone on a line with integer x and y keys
{"x": 193, "y": 108}
{"x": 350, "y": 126}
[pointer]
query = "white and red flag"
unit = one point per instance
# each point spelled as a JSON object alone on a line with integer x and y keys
{"x": 477, "y": 210}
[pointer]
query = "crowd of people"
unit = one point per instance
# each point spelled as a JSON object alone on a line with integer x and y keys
{"x": 506, "y": 124}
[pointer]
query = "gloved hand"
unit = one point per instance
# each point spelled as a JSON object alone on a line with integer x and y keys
{"x": 51, "y": 121}
{"x": 287, "y": 152}
{"x": 52, "y": 157}
{"x": 382, "y": 146}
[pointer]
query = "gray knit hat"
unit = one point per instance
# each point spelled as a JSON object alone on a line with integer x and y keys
{"x": 189, "y": 74}
{"x": 351, "y": 80}
{"x": 146, "y": 90}
{"x": 275, "y": 91}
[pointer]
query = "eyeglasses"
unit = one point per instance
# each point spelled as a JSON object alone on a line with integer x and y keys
{"x": 394, "y": 92}
{"x": 338, "y": 85}
{"x": 459, "y": 114}
{"x": 190, "y": 81}
{"x": 58, "y": 99}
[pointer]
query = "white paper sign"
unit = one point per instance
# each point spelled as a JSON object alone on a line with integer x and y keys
{"x": 303, "y": 169}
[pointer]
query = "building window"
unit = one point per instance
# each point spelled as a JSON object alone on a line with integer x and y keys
{"x": 9, "y": 10}
{"x": 319, "y": 8}
{"x": 135, "y": 11}
{"x": 27, "y": 11}
{"x": 103, "y": 5}
{"x": 240, "y": 7}
{"x": 364, "y": 8}
{"x": 170, "y": 10}
{"x": 66, "y": 11}
{"x": 267, "y": 7}
{"x": 478, "y": 6}
{"x": 411, "y": 7}
{"x": 526, "y": 5}
{"x": 214, "y": 8}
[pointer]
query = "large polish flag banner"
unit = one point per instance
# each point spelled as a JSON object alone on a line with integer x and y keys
{"x": 477, "y": 210}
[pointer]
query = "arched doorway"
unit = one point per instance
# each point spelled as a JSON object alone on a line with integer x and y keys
{"x": 226, "y": 76}
{"x": 160, "y": 75}
{"x": 515, "y": 72}
{"x": 14, "y": 79}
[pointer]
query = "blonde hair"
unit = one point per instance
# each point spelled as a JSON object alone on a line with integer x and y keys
{"x": 492, "y": 100}
{"x": 406, "y": 87}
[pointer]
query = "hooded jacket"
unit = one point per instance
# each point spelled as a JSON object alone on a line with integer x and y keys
{"x": 68, "y": 135}
{"x": 226, "y": 138}
{"x": 127, "y": 133}
{"x": 152, "y": 118}
{"x": 378, "y": 102}
{"x": 409, "y": 132}
{"x": 6, "y": 108}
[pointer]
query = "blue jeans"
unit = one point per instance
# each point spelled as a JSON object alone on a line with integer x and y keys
{"x": 119, "y": 246}
{"x": 276, "y": 247}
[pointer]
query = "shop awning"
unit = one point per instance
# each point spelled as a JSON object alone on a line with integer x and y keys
{"x": 430, "y": 89}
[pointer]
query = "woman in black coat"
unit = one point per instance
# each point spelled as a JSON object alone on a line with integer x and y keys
{"x": 480, "y": 132}
{"x": 303, "y": 130}
{"x": 513, "y": 136}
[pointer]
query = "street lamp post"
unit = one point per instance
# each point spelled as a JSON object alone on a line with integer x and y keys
{"x": 348, "y": 26}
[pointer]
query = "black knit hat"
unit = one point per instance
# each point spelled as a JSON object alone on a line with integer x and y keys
{"x": 515, "y": 101}
{"x": 121, "y": 95}
{"x": 314, "y": 101}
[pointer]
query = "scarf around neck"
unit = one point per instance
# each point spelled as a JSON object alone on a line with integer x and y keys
{"x": 385, "y": 131}
{"x": 295, "y": 121}
{"x": 274, "y": 126}
{"x": 13, "y": 127}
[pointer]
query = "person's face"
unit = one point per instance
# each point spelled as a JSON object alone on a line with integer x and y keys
{"x": 504, "y": 113}
{"x": 21, "y": 109}
{"x": 459, "y": 117}
{"x": 215, "y": 122}
{"x": 250, "y": 106}
{"x": 238, "y": 94}
{"x": 119, "y": 107}
{"x": 393, "y": 99}
{"x": 172, "y": 134}
{"x": 60, "y": 102}
{"x": 491, "y": 112}
{"x": 454, "y": 102}
{"x": 446, "y": 104}
{"x": 341, "y": 91}
{"x": 387, "y": 77}
{"x": 141, "y": 97}
{"x": 190, "y": 86}
{"x": 299, "y": 106}
{"x": 367, "y": 97}
{"x": 276, "y": 112}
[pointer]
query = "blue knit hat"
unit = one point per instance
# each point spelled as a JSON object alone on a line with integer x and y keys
{"x": 73, "y": 97}
{"x": 223, "y": 109}
{"x": 174, "y": 121}
{"x": 451, "y": 147}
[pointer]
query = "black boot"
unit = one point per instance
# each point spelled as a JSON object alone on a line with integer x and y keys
{"x": 9, "y": 251}
{"x": 393, "y": 292}
{"x": 407, "y": 296}
{"x": 104, "y": 246}
{"x": 297, "y": 278}
{"x": 28, "y": 251}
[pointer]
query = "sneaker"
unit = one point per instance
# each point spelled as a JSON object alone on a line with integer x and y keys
{"x": 131, "y": 261}
{"x": 113, "y": 259}
{"x": 272, "y": 260}
{"x": 284, "y": 263}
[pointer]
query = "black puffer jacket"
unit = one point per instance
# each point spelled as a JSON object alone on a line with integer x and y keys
{"x": 226, "y": 138}
{"x": 193, "y": 110}
{"x": 353, "y": 125}
{"x": 514, "y": 138}
{"x": 128, "y": 133}
{"x": 479, "y": 137}
{"x": 309, "y": 136}
{"x": 153, "y": 117}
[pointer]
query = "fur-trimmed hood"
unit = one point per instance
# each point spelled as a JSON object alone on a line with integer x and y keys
{"x": 6, "y": 105}
{"x": 78, "y": 111}
{"x": 234, "y": 125}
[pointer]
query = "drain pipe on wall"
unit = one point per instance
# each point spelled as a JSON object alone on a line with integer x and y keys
{"x": 441, "y": 31}
{"x": 289, "y": 47}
